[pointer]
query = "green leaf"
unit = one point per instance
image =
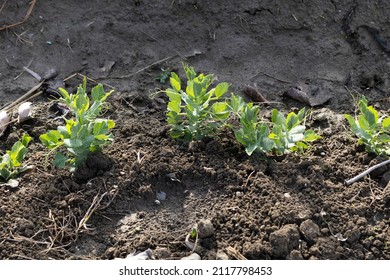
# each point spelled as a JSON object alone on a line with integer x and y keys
{"x": 251, "y": 148}
{"x": 197, "y": 91}
{"x": 82, "y": 103}
{"x": 73, "y": 143}
{"x": 363, "y": 122}
{"x": 220, "y": 110}
{"x": 175, "y": 82}
{"x": 98, "y": 127}
{"x": 110, "y": 124}
{"x": 65, "y": 95}
{"x": 60, "y": 160}
{"x": 17, "y": 153}
{"x": 386, "y": 123}
{"x": 237, "y": 103}
{"x": 370, "y": 114}
{"x": 292, "y": 120}
{"x": 301, "y": 114}
{"x": 310, "y": 136}
{"x": 350, "y": 119}
{"x": 26, "y": 139}
{"x": 174, "y": 106}
{"x": 102, "y": 137}
{"x": 190, "y": 72}
{"x": 296, "y": 137}
{"x": 177, "y": 131}
{"x": 97, "y": 93}
{"x": 221, "y": 89}
{"x": 278, "y": 118}
{"x": 299, "y": 129}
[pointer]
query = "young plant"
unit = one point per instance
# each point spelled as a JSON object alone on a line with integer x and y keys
{"x": 11, "y": 161}
{"x": 252, "y": 134}
{"x": 83, "y": 134}
{"x": 288, "y": 133}
{"x": 195, "y": 111}
{"x": 164, "y": 75}
{"x": 371, "y": 130}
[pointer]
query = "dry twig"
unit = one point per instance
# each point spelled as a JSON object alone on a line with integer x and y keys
{"x": 363, "y": 174}
{"x": 32, "y": 4}
{"x": 234, "y": 253}
{"x": 27, "y": 96}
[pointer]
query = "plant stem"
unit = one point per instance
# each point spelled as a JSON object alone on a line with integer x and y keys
{"x": 361, "y": 175}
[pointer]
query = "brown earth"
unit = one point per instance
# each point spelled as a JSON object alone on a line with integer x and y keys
{"x": 290, "y": 207}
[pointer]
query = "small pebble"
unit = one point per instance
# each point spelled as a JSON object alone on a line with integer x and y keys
{"x": 161, "y": 196}
{"x": 158, "y": 202}
{"x": 205, "y": 228}
{"x": 193, "y": 256}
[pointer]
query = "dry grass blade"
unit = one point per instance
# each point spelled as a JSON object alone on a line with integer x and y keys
{"x": 29, "y": 11}
{"x": 2, "y": 6}
{"x": 94, "y": 206}
{"x": 27, "y": 96}
{"x": 234, "y": 253}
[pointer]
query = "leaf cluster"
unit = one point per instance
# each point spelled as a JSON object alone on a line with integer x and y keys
{"x": 281, "y": 135}
{"x": 11, "y": 161}
{"x": 196, "y": 110}
{"x": 372, "y": 130}
{"x": 83, "y": 134}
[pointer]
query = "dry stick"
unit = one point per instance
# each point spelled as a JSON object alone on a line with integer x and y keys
{"x": 145, "y": 68}
{"x": 234, "y": 253}
{"x": 25, "y": 17}
{"x": 2, "y": 7}
{"x": 26, "y": 96}
{"x": 270, "y": 76}
{"x": 361, "y": 175}
{"x": 194, "y": 53}
{"x": 28, "y": 65}
{"x": 88, "y": 78}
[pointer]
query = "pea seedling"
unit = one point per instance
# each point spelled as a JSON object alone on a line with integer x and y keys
{"x": 83, "y": 134}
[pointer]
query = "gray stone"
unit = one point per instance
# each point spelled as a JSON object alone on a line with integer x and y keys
{"x": 386, "y": 178}
{"x": 295, "y": 255}
{"x": 193, "y": 256}
{"x": 162, "y": 253}
{"x": 221, "y": 255}
{"x": 205, "y": 228}
{"x": 324, "y": 248}
{"x": 284, "y": 240}
{"x": 309, "y": 230}
{"x": 352, "y": 235}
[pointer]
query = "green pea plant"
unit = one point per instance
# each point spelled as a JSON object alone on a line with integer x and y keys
{"x": 289, "y": 133}
{"x": 83, "y": 134}
{"x": 252, "y": 132}
{"x": 196, "y": 110}
{"x": 164, "y": 75}
{"x": 372, "y": 131}
{"x": 11, "y": 161}
{"x": 280, "y": 136}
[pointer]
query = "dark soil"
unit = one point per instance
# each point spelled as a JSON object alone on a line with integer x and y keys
{"x": 291, "y": 207}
